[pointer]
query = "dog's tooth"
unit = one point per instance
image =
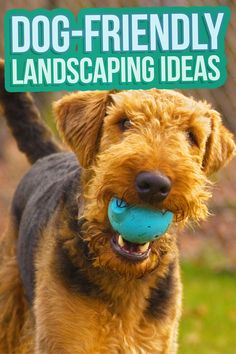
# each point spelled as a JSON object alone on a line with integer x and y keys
{"x": 121, "y": 241}
{"x": 144, "y": 248}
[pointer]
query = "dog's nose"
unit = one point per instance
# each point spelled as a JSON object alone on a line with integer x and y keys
{"x": 152, "y": 186}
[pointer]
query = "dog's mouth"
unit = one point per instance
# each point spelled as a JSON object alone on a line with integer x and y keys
{"x": 135, "y": 252}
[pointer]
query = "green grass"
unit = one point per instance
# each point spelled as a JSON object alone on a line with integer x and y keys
{"x": 208, "y": 324}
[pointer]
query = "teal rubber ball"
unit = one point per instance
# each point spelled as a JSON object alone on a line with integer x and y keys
{"x": 138, "y": 224}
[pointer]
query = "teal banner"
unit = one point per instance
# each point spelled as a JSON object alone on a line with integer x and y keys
{"x": 111, "y": 48}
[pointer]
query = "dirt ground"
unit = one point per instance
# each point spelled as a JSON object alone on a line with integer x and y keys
{"x": 214, "y": 240}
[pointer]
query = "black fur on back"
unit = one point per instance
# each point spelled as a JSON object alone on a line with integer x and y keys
{"x": 39, "y": 194}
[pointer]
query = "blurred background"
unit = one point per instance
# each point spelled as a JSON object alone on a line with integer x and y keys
{"x": 208, "y": 251}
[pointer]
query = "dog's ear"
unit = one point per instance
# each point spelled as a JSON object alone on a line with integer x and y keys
{"x": 220, "y": 146}
{"x": 79, "y": 119}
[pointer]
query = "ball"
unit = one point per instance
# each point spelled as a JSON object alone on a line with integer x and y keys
{"x": 138, "y": 224}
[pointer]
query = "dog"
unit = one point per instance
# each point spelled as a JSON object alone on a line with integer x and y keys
{"x": 66, "y": 284}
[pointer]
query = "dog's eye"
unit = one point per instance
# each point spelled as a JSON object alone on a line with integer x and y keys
{"x": 192, "y": 138}
{"x": 125, "y": 124}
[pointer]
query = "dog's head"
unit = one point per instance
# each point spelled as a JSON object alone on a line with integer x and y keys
{"x": 155, "y": 148}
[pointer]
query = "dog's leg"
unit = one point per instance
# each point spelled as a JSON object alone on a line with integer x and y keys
{"x": 163, "y": 314}
{"x": 13, "y": 306}
{"x": 64, "y": 323}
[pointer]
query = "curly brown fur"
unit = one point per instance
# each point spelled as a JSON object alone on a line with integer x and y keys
{"x": 84, "y": 297}
{"x": 23, "y": 118}
{"x": 15, "y": 313}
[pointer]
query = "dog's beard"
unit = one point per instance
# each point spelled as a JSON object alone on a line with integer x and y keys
{"x": 104, "y": 258}
{"x": 186, "y": 201}
{"x": 184, "y": 207}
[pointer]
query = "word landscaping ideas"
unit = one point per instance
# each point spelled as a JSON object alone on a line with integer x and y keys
{"x": 115, "y": 48}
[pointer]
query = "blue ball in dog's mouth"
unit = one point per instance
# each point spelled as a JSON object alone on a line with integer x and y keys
{"x": 138, "y": 224}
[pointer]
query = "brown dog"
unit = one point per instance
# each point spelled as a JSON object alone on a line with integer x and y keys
{"x": 66, "y": 285}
